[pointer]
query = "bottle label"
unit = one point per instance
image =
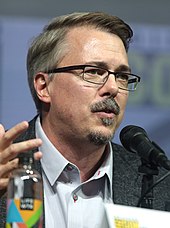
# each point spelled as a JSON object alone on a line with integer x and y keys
{"x": 25, "y": 213}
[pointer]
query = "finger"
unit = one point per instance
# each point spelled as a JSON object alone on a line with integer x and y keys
{"x": 16, "y": 148}
{"x": 5, "y": 169}
{"x": 4, "y": 183}
{"x": 38, "y": 155}
{"x": 2, "y": 131}
{"x": 8, "y": 137}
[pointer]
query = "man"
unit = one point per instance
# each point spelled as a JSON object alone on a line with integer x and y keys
{"x": 79, "y": 77}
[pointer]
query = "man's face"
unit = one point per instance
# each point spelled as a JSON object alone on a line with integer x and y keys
{"x": 82, "y": 110}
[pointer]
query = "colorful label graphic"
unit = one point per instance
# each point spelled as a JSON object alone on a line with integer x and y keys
{"x": 24, "y": 213}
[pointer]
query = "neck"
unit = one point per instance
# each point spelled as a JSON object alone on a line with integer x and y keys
{"x": 88, "y": 158}
{"x": 82, "y": 153}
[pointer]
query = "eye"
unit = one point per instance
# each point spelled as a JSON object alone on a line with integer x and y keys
{"x": 122, "y": 76}
{"x": 94, "y": 71}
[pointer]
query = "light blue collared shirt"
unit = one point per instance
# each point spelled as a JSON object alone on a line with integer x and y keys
{"x": 68, "y": 202}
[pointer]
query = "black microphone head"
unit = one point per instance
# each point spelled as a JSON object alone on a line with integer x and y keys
{"x": 135, "y": 139}
{"x": 128, "y": 134}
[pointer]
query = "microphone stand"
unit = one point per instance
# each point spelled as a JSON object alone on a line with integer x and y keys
{"x": 148, "y": 170}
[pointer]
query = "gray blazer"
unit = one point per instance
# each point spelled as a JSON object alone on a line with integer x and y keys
{"x": 126, "y": 179}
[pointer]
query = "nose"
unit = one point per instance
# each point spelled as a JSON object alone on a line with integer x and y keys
{"x": 110, "y": 87}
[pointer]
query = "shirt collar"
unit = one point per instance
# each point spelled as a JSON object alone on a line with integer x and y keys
{"x": 106, "y": 167}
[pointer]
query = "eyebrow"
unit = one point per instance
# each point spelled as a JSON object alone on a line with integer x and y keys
{"x": 99, "y": 64}
{"x": 104, "y": 65}
{"x": 123, "y": 68}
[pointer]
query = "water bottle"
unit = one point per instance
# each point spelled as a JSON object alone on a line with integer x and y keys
{"x": 24, "y": 196}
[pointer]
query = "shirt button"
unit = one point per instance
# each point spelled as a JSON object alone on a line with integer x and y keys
{"x": 75, "y": 197}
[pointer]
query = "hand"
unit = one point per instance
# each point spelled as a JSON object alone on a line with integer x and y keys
{"x": 9, "y": 150}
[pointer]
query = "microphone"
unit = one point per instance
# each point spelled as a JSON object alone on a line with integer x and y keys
{"x": 135, "y": 139}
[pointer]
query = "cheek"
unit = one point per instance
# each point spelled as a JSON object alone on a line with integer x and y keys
{"x": 120, "y": 116}
{"x": 122, "y": 102}
{"x": 72, "y": 98}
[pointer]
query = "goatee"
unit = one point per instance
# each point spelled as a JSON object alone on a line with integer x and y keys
{"x": 98, "y": 138}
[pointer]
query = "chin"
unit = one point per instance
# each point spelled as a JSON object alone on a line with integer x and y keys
{"x": 100, "y": 138}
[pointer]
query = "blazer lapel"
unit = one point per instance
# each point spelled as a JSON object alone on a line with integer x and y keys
{"x": 126, "y": 180}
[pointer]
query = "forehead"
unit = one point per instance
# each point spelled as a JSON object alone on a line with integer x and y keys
{"x": 90, "y": 44}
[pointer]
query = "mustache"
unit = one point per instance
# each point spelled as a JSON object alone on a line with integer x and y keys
{"x": 108, "y": 105}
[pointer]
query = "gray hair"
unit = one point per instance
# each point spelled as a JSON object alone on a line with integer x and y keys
{"x": 50, "y": 46}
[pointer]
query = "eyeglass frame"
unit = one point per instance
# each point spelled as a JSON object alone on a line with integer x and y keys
{"x": 82, "y": 67}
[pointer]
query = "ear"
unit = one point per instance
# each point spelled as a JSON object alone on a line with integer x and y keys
{"x": 41, "y": 87}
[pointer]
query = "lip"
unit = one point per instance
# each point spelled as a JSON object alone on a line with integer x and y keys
{"x": 102, "y": 114}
